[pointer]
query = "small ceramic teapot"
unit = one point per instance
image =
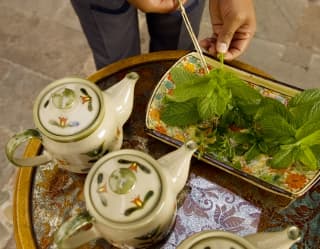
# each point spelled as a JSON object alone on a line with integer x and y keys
{"x": 130, "y": 199}
{"x": 77, "y": 123}
{"x": 226, "y": 240}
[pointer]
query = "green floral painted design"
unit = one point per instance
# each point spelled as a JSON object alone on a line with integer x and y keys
{"x": 86, "y": 98}
{"x": 139, "y": 204}
{"x": 97, "y": 152}
{"x": 134, "y": 165}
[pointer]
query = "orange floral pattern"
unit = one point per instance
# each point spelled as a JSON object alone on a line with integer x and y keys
{"x": 295, "y": 181}
{"x": 155, "y": 114}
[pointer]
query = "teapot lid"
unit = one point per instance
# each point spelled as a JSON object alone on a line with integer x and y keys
{"x": 215, "y": 239}
{"x": 68, "y": 109}
{"x": 124, "y": 186}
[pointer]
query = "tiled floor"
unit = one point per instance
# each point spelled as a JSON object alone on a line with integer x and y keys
{"x": 41, "y": 41}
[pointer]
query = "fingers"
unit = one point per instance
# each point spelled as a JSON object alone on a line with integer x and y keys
{"x": 233, "y": 24}
{"x": 226, "y": 34}
{"x": 239, "y": 43}
{"x": 209, "y": 44}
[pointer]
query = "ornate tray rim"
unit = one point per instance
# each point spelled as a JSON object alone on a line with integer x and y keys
{"x": 253, "y": 78}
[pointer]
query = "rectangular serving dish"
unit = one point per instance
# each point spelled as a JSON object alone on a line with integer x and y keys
{"x": 290, "y": 182}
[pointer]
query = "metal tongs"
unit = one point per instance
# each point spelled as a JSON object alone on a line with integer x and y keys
{"x": 193, "y": 36}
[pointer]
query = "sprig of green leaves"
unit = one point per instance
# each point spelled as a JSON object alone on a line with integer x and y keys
{"x": 288, "y": 134}
{"x": 281, "y": 126}
{"x": 212, "y": 92}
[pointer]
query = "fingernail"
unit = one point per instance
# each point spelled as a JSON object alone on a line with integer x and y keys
{"x": 222, "y": 47}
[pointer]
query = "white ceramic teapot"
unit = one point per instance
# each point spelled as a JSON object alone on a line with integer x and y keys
{"x": 226, "y": 240}
{"x": 76, "y": 122}
{"x": 130, "y": 199}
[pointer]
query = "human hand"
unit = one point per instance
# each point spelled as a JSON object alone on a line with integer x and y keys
{"x": 233, "y": 25}
{"x": 156, "y": 6}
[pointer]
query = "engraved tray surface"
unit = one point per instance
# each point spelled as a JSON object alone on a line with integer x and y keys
{"x": 291, "y": 182}
{"x": 212, "y": 198}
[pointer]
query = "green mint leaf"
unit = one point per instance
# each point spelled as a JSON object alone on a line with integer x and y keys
{"x": 307, "y": 129}
{"x": 305, "y": 112}
{"x": 243, "y": 91}
{"x": 307, "y": 96}
{"x": 271, "y": 106}
{"x": 305, "y": 106}
{"x": 214, "y": 103}
{"x": 284, "y": 158}
{"x": 315, "y": 112}
{"x": 180, "y": 114}
{"x": 253, "y": 152}
{"x": 300, "y": 113}
{"x": 185, "y": 92}
{"x": 209, "y": 107}
{"x": 316, "y": 151}
{"x": 218, "y": 75}
{"x": 221, "y": 59}
{"x": 307, "y": 157}
{"x": 243, "y": 137}
{"x": 234, "y": 116}
{"x": 181, "y": 76}
{"x": 310, "y": 140}
{"x": 274, "y": 127}
{"x": 244, "y": 97}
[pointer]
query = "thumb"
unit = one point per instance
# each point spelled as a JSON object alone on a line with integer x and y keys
{"x": 225, "y": 36}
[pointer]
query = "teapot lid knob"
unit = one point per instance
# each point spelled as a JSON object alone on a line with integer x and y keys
{"x": 124, "y": 186}
{"x": 294, "y": 233}
{"x": 68, "y": 108}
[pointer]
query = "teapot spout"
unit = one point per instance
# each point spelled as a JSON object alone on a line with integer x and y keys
{"x": 178, "y": 163}
{"x": 277, "y": 240}
{"x": 122, "y": 95}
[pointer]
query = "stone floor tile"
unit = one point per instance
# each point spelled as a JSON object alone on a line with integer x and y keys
{"x": 59, "y": 11}
{"x": 18, "y": 88}
{"x": 314, "y": 71}
{"x": 263, "y": 54}
{"x": 6, "y": 221}
{"x": 5, "y": 236}
{"x": 54, "y": 49}
{"x": 65, "y": 15}
{"x": 307, "y": 34}
{"x": 4, "y": 196}
{"x": 297, "y": 55}
{"x": 277, "y": 19}
{"x": 11, "y": 244}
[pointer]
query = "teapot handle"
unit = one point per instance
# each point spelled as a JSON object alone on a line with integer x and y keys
{"x": 69, "y": 235}
{"x": 17, "y": 140}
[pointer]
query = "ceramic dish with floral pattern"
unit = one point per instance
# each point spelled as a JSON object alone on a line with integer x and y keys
{"x": 291, "y": 181}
